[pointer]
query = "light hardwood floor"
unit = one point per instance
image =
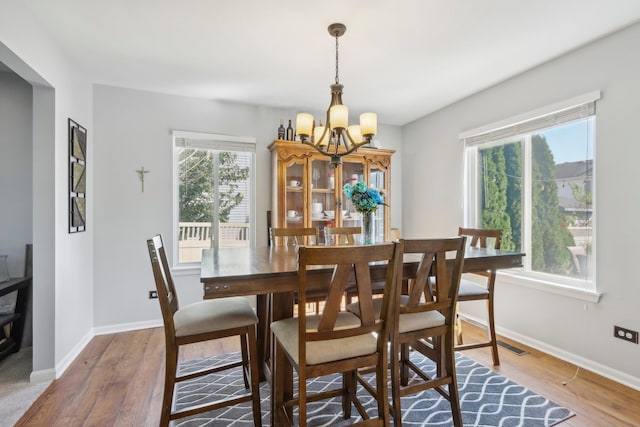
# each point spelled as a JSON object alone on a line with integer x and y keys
{"x": 117, "y": 381}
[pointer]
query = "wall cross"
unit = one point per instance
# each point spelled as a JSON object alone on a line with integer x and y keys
{"x": 141, "y": 171}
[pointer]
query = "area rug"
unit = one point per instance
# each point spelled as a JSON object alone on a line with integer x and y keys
{"x": 487, "y": 399}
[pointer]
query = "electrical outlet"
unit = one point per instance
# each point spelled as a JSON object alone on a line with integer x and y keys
{"x": 625, "y": 334}
{"x": 153, "y": 294}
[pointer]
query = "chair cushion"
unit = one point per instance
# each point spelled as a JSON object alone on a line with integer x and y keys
{"x": 213, "y": 315}
{"x": 469, "y": 288}
{"x": 286, "y": 331}
{"x": 409, "y": 321}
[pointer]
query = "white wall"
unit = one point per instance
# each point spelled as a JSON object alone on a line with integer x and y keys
{"x": 15, "y": 169}
{"x": 133, "y": 129}
{"x": 433, "y": 160}
{"x": 63, "y": 263}
{"x": 15, "y": 180}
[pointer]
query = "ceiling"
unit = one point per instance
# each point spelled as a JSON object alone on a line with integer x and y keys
{"x": 402, "y": 59}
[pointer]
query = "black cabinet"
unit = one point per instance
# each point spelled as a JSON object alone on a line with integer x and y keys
{"x": 22, "y": 286}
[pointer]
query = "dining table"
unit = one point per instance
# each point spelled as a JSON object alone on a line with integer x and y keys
{"x": 270, "y": 274}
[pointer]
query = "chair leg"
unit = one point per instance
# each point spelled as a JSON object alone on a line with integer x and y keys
{"x": 245, "y": 360}
{"x": 395, "y": 364}
{"x": 404, "y": 367}
{"x": 454, "y": 398}
{"x": 255, "y": 380}
{"x": 382, "y": 390}
{"x": 448, "y": 360}
{"x": 282, "y": 378}
{"x": 456, "y": 412}
{"x": 171, "y": 367}
{"x": 277, "y": 386}
{"x": 302, "y": 400}
{"x": 348, "y": 392}
{"x": 492, "y": 333}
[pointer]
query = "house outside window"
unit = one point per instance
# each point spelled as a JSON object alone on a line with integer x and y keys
{"x": 534, "y": 180}
{"x": 214, "y": 194}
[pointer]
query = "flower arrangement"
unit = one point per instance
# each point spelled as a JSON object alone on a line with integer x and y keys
{"x": 364, "y": 199}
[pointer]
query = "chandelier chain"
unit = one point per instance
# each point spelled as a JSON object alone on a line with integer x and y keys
{"x": 337, "y": 79}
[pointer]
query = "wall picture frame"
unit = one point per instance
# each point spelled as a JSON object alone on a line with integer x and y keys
{"x": 77, "y": 177}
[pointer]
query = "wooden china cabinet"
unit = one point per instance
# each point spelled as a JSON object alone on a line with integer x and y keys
{"x": 307, "y": 190}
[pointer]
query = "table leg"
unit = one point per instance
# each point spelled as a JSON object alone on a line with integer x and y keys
{"x": 263, "y": 303}
{"x": 282, "y": 372}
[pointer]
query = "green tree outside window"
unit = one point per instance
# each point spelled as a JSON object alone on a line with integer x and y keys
{"x": 196, "y": 186}
{"x": 502, "y": 204}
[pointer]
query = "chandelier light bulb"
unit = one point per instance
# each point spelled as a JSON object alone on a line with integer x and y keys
{"x": 339, "y": 116}
{"x": 354, "y": 134}
{"x": 369, "y": 123}
{"x": 317, "y": 136}
{"x": 304, "y": 124}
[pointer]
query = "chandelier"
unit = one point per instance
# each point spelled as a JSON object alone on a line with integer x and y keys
{"x": 336, "y": 138}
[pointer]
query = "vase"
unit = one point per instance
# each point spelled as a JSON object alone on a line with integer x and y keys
{"x": 368, "y": 234}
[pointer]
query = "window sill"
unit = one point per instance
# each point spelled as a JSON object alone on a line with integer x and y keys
{"x": 551, "y": 287}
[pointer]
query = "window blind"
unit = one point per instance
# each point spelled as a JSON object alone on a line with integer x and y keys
{"x": 209, "y": 141}
{"x": 543, "y": 118}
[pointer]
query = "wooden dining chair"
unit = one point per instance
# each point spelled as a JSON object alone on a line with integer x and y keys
{"x": 293, "y": 236}
{"x": 341, "y": 235}
{"x": 424, "y": 322}
{"x": 346, "y": 236}
{"x": 472, "y": 291}
{"x": 203, "y": 321}
{"x": 336, "y": 341}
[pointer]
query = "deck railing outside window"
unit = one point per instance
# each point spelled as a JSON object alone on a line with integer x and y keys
{"x": 193, "y": 237}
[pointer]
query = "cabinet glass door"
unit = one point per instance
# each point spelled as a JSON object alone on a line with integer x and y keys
{"x": 294, "y": 200}
{"x": 352, "y": 172}
{"x": 377, "y": 180}
{"x": 323, "y": 202}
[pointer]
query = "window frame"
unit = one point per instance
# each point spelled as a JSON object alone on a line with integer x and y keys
{"x": 522, "y": 128}
{"x": 217, "y": 142}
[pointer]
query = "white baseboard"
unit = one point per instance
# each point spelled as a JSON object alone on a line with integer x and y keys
{"x": 55, "y": 373}
{"x": 598, "y": 368}
{"x": 125, "y": 327}
{"x": 71, "y": 356}
{"x": 42, "y": 375}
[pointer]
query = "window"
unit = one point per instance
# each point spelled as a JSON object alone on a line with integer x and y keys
{"x": 214, "y": 187}
{"x": 534, "y": 181}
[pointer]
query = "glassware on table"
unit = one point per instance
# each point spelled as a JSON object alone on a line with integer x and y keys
{"x": 368, "y": 231}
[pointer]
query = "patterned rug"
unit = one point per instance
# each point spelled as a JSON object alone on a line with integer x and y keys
{"x": 486, "y": 398}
